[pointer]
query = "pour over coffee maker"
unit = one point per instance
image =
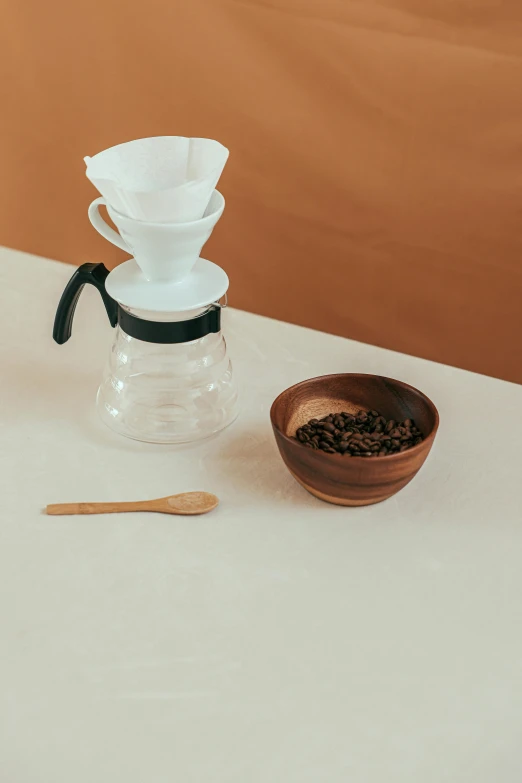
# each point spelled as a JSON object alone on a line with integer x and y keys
{"x": 168, "y": 378}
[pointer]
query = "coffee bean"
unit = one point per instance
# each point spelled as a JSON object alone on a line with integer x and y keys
{"x": 367, "y": 434}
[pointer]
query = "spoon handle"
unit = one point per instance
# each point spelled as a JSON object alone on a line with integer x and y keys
{"x": 98, "y": 508}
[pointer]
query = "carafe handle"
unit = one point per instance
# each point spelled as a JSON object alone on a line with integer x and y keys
{"x": 95, "y": 274}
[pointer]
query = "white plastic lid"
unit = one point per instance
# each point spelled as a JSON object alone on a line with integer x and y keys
{"x": 206, "y": 283}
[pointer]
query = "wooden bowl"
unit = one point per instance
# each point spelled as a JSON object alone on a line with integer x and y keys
{"x": 352, "y": 481}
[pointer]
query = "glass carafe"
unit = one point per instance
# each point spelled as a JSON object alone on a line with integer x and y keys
{"x": 167, "y": 393}
{"x": 168, "y": 378}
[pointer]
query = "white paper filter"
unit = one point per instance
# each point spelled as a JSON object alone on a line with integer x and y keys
{"x": 163, "y": 179}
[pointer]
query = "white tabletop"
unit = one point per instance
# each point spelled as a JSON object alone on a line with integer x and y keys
{"x": 278, "y": 639}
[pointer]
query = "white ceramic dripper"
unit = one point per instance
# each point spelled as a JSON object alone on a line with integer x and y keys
{"x": 160, "y": 193}
{"x": 164, "y": 251}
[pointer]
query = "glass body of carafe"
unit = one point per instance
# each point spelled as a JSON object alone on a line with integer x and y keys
{"x": 168, "y": 378}
{"x": 167, "y": 393}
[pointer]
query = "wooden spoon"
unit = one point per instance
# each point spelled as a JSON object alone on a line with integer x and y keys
{"x": 185, "y": 503}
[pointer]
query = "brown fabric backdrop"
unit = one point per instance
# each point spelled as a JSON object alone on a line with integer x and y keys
{"x": 375, "y": 180}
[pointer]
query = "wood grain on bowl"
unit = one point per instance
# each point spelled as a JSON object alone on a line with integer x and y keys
{"x": 351, "y": 481}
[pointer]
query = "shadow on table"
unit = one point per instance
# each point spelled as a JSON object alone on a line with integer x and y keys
{"x": 250, "y": 461}
{"x": 243, "y": 462}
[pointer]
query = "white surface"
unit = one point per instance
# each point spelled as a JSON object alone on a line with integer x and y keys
{"x": 278, "y": 639}
{"x": 206, "y": 283}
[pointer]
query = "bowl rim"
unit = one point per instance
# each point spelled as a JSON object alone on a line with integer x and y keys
{"x": 399, "y": 455}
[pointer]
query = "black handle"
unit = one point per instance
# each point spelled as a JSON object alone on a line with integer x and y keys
{"x": 95, "y": 274}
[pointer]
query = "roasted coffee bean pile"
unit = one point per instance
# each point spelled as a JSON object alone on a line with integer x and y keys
{"x": 367, "y": 434}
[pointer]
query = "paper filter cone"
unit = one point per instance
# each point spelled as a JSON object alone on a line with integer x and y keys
{"x": 163, "y": 179}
